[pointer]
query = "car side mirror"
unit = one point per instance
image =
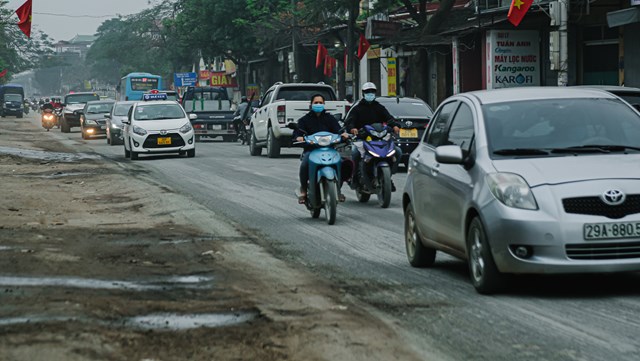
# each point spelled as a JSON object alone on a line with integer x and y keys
{"x": 449, "y": 154}
{"x": 193, "y": 116}
{"x": 126, "y": 121}
{"x": 108, "y": 116}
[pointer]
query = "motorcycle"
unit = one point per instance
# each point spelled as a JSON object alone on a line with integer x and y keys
{"x": 25, "y": 106}
{"x": 325, "y": 166}
{"x": 374, "y": 173}
{"x": 242, "y": 129}
{"x": 49, "y": 119}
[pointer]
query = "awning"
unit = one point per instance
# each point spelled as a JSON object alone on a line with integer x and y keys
{"x": 623, "y": 17}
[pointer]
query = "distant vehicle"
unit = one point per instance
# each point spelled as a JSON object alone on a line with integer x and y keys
{"x": 283, "y": 104}
{"x": 93, "y": 119}
{"x": 529, "y": 180}
{"x": 628, "y": 94}
{"x": 11, "y": 98}
{"x": 212, "y": 108}
{"x": 160, "y": 126}
{"x": 114, "y": 121}
{"x": 134, "y": 85}
{"x": 73, "y": 105}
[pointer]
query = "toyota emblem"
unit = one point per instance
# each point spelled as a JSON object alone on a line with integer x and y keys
{"x": 613, "y": 197}
{"x": 408, "y": 123}
{"x": 163, "y": 132}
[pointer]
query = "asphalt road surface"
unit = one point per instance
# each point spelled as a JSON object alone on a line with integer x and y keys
{"x": 594, "y": 317}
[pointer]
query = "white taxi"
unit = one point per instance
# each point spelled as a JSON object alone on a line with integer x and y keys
{"x": 156, "y": 125}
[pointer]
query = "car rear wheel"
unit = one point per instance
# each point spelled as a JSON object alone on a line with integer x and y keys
{"x": 484, "y": 274}
{"x": 417, "y": 254}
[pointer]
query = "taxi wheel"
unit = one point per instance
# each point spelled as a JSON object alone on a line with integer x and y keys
{"x": 191, "y": 153}
{"x": 133, "y": 155}
{"x": 126, "y": 152}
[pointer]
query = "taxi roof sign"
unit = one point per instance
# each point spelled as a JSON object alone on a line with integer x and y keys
{"x": 156, "y": 96}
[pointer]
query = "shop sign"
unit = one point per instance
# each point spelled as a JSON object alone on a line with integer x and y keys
{"x": 391, "y": 77}
{"x": 513, "y": 58}
{"x": 384, "y": 29}
{"x": 204, "y": 75}
{"x": 221, "y": 79}
{"x": 253, "y": 89}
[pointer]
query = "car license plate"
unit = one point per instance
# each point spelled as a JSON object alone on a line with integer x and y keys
{"x": 409, "y": 133}
{"x": 216, "y": 126}
{"x": 164, "y": 141}
{"x": 611, "y": 230}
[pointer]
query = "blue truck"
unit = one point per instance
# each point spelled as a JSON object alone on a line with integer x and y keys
{"x": 11, "y": 98}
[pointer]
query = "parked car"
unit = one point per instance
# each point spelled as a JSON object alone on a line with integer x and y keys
{"x": 628, "y": 94}
{"x": 93, "y": 119}
{"x": 527, "y": 180}
{"x": 159, "y": 126}
{"x": 413, "y": 114}
{"x": 114, "y": 124}
{"x": 283, "y": 104}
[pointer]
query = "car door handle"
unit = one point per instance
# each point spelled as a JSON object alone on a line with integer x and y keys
{"x": 435, "y": 169}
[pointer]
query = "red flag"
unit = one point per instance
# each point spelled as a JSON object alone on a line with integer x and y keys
{"x": 3, "y": 73}
{"x": 517, "y": 11}
{"x": 320, "y": 54}
{"x": 24, "y": 16}
{"x": 363, "y": 46}
{"x": 329, "y": 64}
{"x": 346, "y": 59}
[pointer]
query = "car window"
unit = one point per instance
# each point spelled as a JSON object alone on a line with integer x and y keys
{"x": 99, "y": 108}
{"x": 267, "y": 98}
{"x": 122, "y": 109}
{"x": 461, "y": 131}
{"x": 438, "y": 128}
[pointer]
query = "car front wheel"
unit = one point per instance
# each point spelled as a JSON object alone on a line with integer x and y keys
{"x": 417, "y": 254}
{"x": 484, "y": 273}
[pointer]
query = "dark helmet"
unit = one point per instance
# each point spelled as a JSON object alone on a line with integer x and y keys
{"x": 243, "y": 99}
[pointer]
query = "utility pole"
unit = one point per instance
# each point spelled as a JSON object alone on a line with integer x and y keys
{"x": 563, "y": 72}
{"x": 292, "y": 63}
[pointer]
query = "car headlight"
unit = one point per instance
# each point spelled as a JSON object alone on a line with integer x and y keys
{"x": 512, "y": 190}
{"x": 90, "y": 122}
{"x": 324, "y": 140}
{"x": 138, "y": 130}
{"x": 186, "y": 128}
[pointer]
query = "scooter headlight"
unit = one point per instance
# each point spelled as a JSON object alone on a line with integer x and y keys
{"x": 373, "y": 154}
{"x": 391, "y": 153}
{"x": 324, "y": 140}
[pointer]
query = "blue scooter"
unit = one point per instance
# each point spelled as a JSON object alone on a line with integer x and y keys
{"x": 324, "y": 173}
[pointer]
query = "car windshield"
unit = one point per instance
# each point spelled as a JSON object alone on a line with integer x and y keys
{"x": 122, "y": 110}
{"x": 159, "y": 111}
{"x": 535, "y": 127}
{"x": 99, "y": 108}
{"x": 304, "y": 93}
{"x": 408, "y": 109}
{"x": 12, "y": 97}
{"x": 81, "y": 98}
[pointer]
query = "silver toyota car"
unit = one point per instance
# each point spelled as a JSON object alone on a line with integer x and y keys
{"x": 527, "y": 180}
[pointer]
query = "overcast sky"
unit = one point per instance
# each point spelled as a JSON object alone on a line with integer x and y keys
{"x": 81, "y": 16}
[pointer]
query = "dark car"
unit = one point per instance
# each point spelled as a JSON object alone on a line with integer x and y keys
{"x": 73, "y": 105}
{"x": 93, "y": 120}
{"x": 414, "y": 115}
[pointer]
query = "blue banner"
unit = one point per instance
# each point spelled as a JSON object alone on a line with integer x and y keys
{"x": 185, "y": 79}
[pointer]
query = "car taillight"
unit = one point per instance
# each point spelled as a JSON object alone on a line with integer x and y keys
{"x": 198, "y": 126}
{"x": 281, "y": 114}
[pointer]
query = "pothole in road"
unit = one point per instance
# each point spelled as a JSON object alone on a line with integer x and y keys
{"x": 5, "y": 248}
{"x": 172, "y": 322}
{"x": 174, "y": 281}
{"x": 33, "y": 319}
{"x": 57, "y": 175}
{"x": 44, "y": 155}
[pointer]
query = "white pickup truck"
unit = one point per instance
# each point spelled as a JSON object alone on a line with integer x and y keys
{"x": 283, "y": 104}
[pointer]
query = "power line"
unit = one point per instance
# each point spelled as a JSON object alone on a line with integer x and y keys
{"x": 78, "y": 16}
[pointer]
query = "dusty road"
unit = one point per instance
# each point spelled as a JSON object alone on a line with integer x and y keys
{"x": 101, "y": 262}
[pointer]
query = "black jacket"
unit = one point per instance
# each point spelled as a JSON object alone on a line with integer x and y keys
{"x": 364, "y": 113}
{"x": 311, "y": 123}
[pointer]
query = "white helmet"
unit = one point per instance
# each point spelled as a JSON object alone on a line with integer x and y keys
{"x": 369, "y": 86}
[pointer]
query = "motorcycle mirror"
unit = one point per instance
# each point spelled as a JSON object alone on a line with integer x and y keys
{"x": 293, "y": 126}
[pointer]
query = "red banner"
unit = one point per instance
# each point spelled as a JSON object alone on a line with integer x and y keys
{"x": 518, "y": 10}
{"x": 204, "y": 74}
{"x": 221, "y": 79}
{"x": 24, "y": 18}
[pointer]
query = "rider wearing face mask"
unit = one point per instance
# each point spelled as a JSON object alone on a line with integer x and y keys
{"x": 317, "y": 120}
{"x": 369, "y": 111}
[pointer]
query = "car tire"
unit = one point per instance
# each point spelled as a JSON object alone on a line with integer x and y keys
{"x": 417, "y": 253}
{"x": 109, "y": 141}
{"x": 484, "y": 273}
{"x": 133, "y": 155}
{"x": 254, "y": 149}
{"x": 20, "y": 116}
{"x": 126, "y": 152}
{"x": 191, "y": 153}
{"x": 84, "y": 135}
{"x": 64, "y": 127}
{"x": 273, "y": 144}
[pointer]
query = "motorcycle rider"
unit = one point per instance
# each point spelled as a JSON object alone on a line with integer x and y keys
{"x": 238, "y": 123}
{"x": 317, "y": 120}
{"x": 369, "y": 111}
